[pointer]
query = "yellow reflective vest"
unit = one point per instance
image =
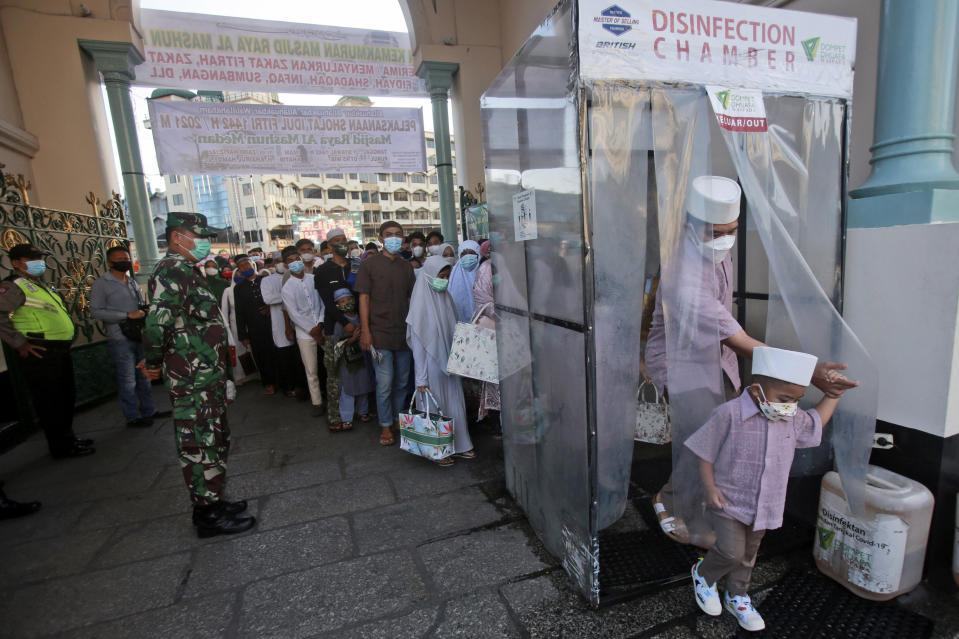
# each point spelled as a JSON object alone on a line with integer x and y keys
{"x": 42, "y": 312}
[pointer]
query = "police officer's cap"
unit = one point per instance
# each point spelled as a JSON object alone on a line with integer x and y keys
{"x": 195, "y": 222}
{"x": 26, "y": 252}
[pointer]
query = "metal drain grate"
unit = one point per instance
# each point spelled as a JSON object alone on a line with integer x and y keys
{"x": 633, "y": 563}
{"x": 641, "y": 560}
{"x": 808, "y": 605}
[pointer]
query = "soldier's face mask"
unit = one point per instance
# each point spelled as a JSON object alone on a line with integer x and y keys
{"x": 201, "y": 247}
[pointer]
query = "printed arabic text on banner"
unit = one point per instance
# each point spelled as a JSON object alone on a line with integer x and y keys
{"x": 199, "y": 51}
{"x": 216, "y": 138}
{"x": 711, "y": 42}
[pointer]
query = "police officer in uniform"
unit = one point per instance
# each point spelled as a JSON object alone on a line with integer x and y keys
{"x": 185, "y": 341}
{"x": 35, "y": 322}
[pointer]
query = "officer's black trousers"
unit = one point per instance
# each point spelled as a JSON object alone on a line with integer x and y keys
{"x": 50, "y": 381}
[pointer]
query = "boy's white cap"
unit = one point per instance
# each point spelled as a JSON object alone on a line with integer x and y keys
{"x": 789, "y": 366}
{"x": 714, "y": 199}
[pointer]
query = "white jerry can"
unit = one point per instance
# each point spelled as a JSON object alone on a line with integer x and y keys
{"x": 879, "y": 555}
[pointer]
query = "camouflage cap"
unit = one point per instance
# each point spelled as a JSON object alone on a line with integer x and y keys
{"x": 195, "y": 222}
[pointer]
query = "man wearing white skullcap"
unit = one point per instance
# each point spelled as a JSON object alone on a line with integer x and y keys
{"x": 711, "y": 221}
{"x": 745, "y": 451}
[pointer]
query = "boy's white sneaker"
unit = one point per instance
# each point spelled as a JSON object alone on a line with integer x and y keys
{"x": 745, "y": 614}
{"x": 707, "y": 597}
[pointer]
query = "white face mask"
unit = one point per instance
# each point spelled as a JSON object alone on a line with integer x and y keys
{"x": 715, "y": 250}
{"x": 774, "y": 411}
{"x": 356, "y": 253}
{"x": 417, "y": 251}
{"x": 307, "y": 257}
{"x": 435, "y": 250}
{"x": 281, "y": 268}
{"x": 212, "y": 271}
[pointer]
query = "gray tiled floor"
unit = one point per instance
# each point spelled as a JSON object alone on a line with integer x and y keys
{"x": 354, "y": 540}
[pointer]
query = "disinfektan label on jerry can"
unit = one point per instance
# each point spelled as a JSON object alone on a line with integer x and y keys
{"x": 871, "y": 553}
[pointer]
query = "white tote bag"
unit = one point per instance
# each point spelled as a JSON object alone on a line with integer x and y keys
{"x": 473, "y": 354}
{"x": 652, "y": 418}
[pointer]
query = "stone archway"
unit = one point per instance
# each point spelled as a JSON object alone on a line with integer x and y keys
{"x": 481, "y": 36}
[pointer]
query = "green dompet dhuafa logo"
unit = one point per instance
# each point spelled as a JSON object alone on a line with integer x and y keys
{"x": 723, "y": 97}
{"x": 825, "y": 537}
{"x": 811, "y": 47}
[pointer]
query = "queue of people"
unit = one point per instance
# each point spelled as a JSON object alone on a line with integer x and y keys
{"x": 356, "y": 332}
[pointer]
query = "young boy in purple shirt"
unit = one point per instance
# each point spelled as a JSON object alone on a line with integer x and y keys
{"x": 745, "y": 451}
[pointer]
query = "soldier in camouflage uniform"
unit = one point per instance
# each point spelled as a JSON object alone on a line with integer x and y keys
{"x": 186, "y": 341}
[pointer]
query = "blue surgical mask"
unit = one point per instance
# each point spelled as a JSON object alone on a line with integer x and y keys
{"x": 296, "y": 267}
{"x": 469, "y": 261}
{"x": 247, "y": 273}
{"x": 393, "y": 244}
{"x": 36, "y": 268}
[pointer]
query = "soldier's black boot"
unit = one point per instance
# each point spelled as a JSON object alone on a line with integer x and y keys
{"x": 10, "y": 509}
{"x": 214, "y": 520}
{"x": 231, "y": 508}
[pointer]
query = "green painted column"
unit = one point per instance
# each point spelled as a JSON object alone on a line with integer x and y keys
{"x": 116, "y": 61}
{"x": 439, "y": 79}
{"x": 915, "y": 98}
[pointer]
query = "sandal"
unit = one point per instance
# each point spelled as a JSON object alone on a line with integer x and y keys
{"x": 366, "y": 418}
{"x": 346, "y": 425}
{"x": 470, "y": 454}
{"x": 269, "y": 390}
{"x": 387, "y": 440}
{"x": 446, "y": 462}
{"x": 673, "y": 528}
{"x": 335, "y": 428}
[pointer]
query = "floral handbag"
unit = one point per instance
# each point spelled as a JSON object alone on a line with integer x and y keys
{"x": 652, "y": 418}
{"x": 473, "y": 353}
{"x": 424, "y": 434}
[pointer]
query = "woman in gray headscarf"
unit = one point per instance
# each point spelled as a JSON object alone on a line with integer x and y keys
{"x": 429, "y": 332}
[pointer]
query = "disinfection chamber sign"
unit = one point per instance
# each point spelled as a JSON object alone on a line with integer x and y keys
{"x": 661, "y": 95}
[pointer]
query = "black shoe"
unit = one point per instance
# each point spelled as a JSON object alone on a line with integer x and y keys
{"x": 214, "y": 520}
{"x": 10, "y": 509}
{"x": 229, "y": 507}
{"x": 160, "y": 414}
{"x": 87, "y": 443}
{"x": 139, "y": 422}
{"x": 75, "y": 450}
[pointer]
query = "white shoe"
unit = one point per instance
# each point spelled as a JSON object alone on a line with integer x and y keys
{"x": 707, "y": 597}
{"x": 745, "y": 614}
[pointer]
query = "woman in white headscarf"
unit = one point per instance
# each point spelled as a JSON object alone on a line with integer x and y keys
{"x": 462, "y": 278}
{"x": 429, "y": 332}
{"x": 447, "y": 251}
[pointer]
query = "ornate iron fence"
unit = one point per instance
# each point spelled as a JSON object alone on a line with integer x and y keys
{"x": 76, "y": 244}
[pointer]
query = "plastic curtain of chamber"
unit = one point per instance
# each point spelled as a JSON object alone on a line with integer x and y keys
{"x": 764, "y": 162}
{"x": 688, "y": 289}
{"x": 620, "y": 130}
